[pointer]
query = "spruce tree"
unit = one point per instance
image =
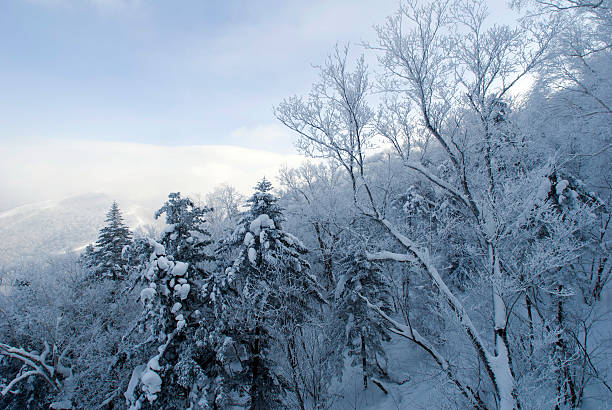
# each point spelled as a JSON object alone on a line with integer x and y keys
{"x": 273, "y": 294}
{"x": 179, "y": 316}
{"x": 186, "y": 235}
{"x": 105, "y": 259}
{"x": 365, "y": 332}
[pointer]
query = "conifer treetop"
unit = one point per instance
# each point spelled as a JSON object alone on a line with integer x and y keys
{"x": 263, "y": 201}
{"x": 186, "y": 235}
{"x": 105, "y": 259}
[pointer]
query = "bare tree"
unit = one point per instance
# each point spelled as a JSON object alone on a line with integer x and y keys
{"x": 453, "y": 75}
{"x": 225, "y": 201}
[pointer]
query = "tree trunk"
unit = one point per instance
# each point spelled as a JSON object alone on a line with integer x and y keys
{"x": 255, "y": 392}
{"x": 294, "y": 370}
{"x": 501, "y": 363}
{"x": 364, "y": 361}
{"x": 530, "y": 323}
{"x": 565, "y": 382}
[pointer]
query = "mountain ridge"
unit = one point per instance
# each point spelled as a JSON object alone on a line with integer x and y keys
{"x": 53, "y": 227}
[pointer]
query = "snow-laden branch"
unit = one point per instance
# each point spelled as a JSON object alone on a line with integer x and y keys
{"x": 35, "y": 361}
{"x": 21, "y": 376}
{"x": 496, "y": 365}
{"x": 439, "y": 182}
{"x": 423, "y": 259}
{"x": 147, "y": 378}
{"x": 413, "y": 335}
{"x": 390, "y": 256}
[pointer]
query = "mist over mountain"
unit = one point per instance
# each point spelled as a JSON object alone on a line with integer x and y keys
{"x": 50, "y": 228}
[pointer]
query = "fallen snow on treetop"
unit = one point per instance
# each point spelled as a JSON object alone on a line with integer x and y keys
{"x": 261, "y": 222}
{"x": 180, "y": 268}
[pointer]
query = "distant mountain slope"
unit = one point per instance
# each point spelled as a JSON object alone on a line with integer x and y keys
{"x": 47, "y": 228}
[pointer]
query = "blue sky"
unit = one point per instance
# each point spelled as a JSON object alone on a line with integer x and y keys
{"x": 94, "y": 93}
{"x": 163, "y": 72}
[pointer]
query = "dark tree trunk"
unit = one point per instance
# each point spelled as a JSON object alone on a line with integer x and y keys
{"x": 364, "y": 361}
{"x": 530, "y": 322}
{"x": 565, "y": 382}
{"x": 255, "y": 392}
{"x": 294, "y": 370}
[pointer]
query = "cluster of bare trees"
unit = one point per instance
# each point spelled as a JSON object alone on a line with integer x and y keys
{"x": 453, "y": 108}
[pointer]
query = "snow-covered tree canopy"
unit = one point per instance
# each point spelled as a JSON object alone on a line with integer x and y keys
{"x": 274, "y": 293}
{"x": 105, "y": 258}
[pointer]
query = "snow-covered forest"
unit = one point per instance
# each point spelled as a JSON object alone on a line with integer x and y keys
{"x": 446, "y": 245}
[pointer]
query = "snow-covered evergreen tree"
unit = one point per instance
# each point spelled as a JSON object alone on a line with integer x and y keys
{"x": 105, "y": 259}
{"x": 365, "y": 332}
{"x": 186, "y": 235}
{"x": 178, "y": 315}
{"x": 273, "y": 295}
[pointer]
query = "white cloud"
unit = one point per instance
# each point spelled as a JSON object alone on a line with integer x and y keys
{"x": 52, "y": 169}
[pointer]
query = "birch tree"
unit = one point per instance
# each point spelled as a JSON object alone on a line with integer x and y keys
{"x": 451, "y": 75}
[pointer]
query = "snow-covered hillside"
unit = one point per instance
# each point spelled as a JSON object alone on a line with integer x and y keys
{"x": 47, "y": 228}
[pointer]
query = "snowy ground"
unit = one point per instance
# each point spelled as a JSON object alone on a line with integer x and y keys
{"x": 405, "y": 362}
{"x": 428, "y": 389}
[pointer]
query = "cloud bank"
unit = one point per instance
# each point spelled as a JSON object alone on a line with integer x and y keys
{"x": 53, "y": 169}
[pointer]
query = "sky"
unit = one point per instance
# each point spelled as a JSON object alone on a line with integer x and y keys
{"x": 89, "y": 88}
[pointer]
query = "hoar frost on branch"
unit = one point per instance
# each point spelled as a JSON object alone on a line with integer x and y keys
{"x": 449, "y": 77}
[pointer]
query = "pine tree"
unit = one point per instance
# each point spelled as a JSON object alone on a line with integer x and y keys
{"x": 105, "y": 259}
{"x": 273, "y": 295}
{"x": 179, "y": 315}
{"x": 365, "y": 332}
{"x": 185, "y": 236}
